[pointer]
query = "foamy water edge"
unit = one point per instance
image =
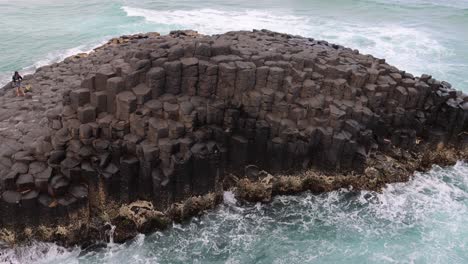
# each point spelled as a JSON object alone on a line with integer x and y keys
{"x": 434, "y": 202}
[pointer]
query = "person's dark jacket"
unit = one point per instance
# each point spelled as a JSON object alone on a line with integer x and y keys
{"x": 17, "y": 78}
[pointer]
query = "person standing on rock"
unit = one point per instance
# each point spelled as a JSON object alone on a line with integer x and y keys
{"x": 17, "y": 83}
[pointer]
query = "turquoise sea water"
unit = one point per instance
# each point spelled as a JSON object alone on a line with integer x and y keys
{"x": 422, "y": 221}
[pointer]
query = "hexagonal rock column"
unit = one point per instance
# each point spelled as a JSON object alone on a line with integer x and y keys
{"x": 226, "y": 80}
{"x": 148, "y": 155}
{"x": 182, "y": 176}
{"x": 238, "y": 154}
{"x": 87, "y": 114}
{"x": 115, "y": 86}
{"x": 245, "y": 78}
{"x": 126, "y": 104}
{"x": 155, "y": 80}
{"x": 157, "y": 129}
{"x": 275, "y": 78}
{"x": 173, "y": 77}
{"x": 203, "y": 180}
{"x": 104, "y": 73}
{"x": 99, "y": 101}
{"x": 208, "y": 78}
{"x": 79, "y": 97}
{"x": 143, "y": 94}
{"x": 129, "y": 169}
{"x": 189, "y": 76}
{"x": 10, "y": 206}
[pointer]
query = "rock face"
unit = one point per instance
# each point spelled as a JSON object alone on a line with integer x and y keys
{"x": 165, "y": 118}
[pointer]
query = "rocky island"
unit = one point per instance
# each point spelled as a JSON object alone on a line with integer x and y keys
{"x": 149, "y": 129}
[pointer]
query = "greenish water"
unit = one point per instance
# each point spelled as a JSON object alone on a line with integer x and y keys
{"x": 422, "y": 221}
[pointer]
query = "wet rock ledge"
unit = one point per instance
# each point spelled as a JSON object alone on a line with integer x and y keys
{"x": 148, "y": 129}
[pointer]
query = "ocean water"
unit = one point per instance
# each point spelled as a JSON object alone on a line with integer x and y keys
{"x": 422, "y": 221}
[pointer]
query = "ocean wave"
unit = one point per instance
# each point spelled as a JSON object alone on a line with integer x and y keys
{"x": 213, "y": 21}
{"x": 408, "y": 48}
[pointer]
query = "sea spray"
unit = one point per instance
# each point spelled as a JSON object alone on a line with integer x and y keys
{"x": 110, "y": 233}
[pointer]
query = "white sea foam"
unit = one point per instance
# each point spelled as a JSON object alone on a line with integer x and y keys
{"x": 212, "y": 21}
{"x": 60, "y": 55}
{"x": 39, "y": 252}
{"x": 53, "y": 57}
{"x": 229, "y": 198}
{"x": 408, "y": 48}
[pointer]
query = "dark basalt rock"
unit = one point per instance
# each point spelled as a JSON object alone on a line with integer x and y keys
{"x": 25, "y": 182}
{"x": 10, "y": 208}
{"x": 172, "y": 119}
